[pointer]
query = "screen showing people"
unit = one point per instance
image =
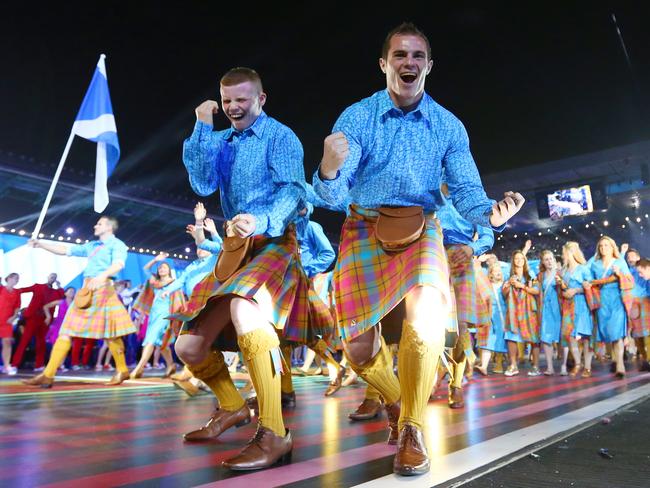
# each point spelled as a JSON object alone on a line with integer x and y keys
{"x": 571, "y": 201}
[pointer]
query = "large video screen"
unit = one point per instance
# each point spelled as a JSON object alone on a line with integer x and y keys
{"x": 571, "y": 201}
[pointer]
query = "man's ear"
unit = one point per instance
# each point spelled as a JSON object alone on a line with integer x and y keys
{"x": 382, "y": 65}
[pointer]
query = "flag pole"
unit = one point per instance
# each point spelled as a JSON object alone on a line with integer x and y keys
{"x": 48, "y": 199}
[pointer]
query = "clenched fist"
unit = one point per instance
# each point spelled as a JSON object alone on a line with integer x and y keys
{"x": 505, "y": 209}
{"x": 335, "y": 152}
{"x": 206, "y": 110}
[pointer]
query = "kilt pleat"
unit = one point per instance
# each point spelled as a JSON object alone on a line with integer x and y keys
{"x": 106, "y": 318}
{"x": 370, "y": 282}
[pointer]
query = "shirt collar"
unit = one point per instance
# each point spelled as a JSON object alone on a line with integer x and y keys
{"x": 386, "y": 105}
{"x": 256, "y": 129}
{"x": 107, "y": 241}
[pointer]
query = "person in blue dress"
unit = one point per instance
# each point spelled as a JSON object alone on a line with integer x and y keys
{"x": 496, "y": 342}
{"x": 158, "y": 323}
{"x": 607, "y": 268}
{"x": 550, "y": 315}
{"x": 577, "y": 323}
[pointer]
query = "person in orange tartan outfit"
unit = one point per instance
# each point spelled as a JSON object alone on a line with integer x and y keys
{"x": 105, "y": 317}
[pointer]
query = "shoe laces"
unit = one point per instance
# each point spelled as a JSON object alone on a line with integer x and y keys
{"x": 257, "y": 438}
{"x": 409, "y": 436}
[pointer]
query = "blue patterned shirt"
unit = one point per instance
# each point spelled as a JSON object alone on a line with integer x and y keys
{"x": 258, "y": 171}
{"x": 190, "y": 277}
{"x": 399, "y": 158}
{"x": 101, "y": 254}
{"x": 316, "y": 251}
{"x": 457, "y": 230}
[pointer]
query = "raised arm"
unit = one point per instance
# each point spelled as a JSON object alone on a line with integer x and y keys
{"x": 49, "y": 246}
{"x": 202, "y": 149}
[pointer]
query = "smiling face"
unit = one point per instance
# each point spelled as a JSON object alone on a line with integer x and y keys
{"x": 518, "y": 260}
{"x": 164, "y": 270}
{"x": 242, "y": 103}
{"x": 406, "y": 67}
{"x": 495, "y": 274}
{"x": 605, "y": 249}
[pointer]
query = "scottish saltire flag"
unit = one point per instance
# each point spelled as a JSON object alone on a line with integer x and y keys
{"x": 95, "y": 122}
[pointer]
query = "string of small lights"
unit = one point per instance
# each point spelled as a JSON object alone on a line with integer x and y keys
{"x": 69, "y": 238}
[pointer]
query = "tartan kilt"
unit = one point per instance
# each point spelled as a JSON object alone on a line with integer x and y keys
{"x": 275, "y": 281}
{"x": 482, "y": 335}
{"x": 470, "y": 289}
{"x": 641, "y": 325}
{"x": 106, "y": 318}
{"x": 369, "y": 282}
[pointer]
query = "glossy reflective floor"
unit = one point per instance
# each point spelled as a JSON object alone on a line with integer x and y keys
{"x": 85, "y": 434}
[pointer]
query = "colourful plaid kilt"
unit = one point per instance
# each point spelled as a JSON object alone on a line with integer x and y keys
{"x": 275, "y": 281}
{"x": 471, "y": 289}
{"x": 521, "y": 316}
{"x": 370, "y": 282}
{"x": 641, "y": 310}
{"x": 482, "y": 335}
{"x": 106, "y": 318}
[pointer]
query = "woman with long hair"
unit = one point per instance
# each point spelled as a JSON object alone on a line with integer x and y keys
{"x": 577, "y": 323}
{"x": 608, "y": 269}
{"x": 9, "y": 309}
{"x": 157, "y": 305}
{"x": 522, "y": 322}
{"x": 549, "y": 306}
{"x": 496, "y": 342}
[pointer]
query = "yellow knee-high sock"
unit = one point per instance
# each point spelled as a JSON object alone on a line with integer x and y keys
{"x": 59, "y": 352}
{"x": 213, "y": 371}
{"x": 416, "y": 362}
{"x": 378, "y": 372}
{"x": 116, "y": 346}
{"x": 256, "y": 347}
{"x": 372, "y": 393}
{"x": 286, "y": 382}
{"x": 646, "y": 347}
{"x": 322, "y": 350}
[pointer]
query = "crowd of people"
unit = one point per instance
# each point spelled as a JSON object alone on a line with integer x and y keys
{"x": 413, "y": 279}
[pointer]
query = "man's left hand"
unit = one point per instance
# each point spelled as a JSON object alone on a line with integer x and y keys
{"x": 505, "y": 209}
{"x": 96, "y": 283}
{"x": 242, "y": 225}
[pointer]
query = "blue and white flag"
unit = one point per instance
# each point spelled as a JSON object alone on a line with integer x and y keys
{"x": 95, "y": 122}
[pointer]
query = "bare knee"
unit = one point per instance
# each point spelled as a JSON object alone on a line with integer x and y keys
{"x": 191, "y": 349}
{"x": 363, "y": 348}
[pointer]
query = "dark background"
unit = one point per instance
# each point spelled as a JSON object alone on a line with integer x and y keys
{"x": 532, "y": 81}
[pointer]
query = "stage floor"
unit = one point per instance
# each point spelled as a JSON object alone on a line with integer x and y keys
{"x": 81, "y": 434}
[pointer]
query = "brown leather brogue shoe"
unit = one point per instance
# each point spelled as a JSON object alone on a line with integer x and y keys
{"x": 39, "y": 380}
{"x": 335, "y": 385}
{"x": 117, "y": 379}
{"x": 411, "y": 458}
{"x": 392, "y": 411}
{"x": 456, "y": 397}
{"x": 262, "y": 451}
{"x": 367, "y": 409}
{"x": 220, "y": 421}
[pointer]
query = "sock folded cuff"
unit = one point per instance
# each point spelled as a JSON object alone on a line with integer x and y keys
{"x": 209, "y": 367}
{"x": 412, "y": 341}
{"x": 256, "y": 343}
